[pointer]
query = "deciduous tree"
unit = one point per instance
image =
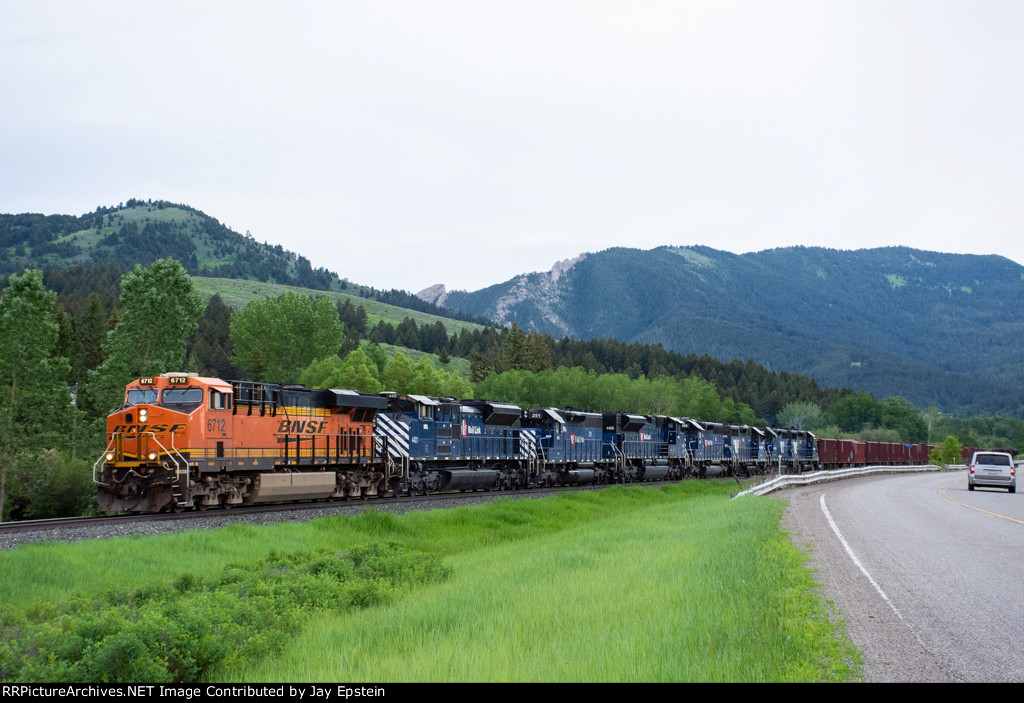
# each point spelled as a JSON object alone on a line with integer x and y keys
{"x": 947, "y": 453}
{"x": 161, "y": 311}
{"x": 357, "y": 372}
{"x": 802, "y": 416}
{"x": 35, "y": 402}
{"x": 275, "y": 339}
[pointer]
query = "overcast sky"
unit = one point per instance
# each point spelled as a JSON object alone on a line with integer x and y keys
{"x": 402, "y": 144}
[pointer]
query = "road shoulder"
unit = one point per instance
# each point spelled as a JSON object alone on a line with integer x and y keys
{"x": 890, "y": 649}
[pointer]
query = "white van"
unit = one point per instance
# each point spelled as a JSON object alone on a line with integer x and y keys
{"x": 995, "y": 469}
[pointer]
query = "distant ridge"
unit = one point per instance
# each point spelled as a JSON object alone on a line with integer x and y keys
{"x": 938, "y": 329}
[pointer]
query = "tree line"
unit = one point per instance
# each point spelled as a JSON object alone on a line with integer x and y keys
{"x": 74, "y": 338}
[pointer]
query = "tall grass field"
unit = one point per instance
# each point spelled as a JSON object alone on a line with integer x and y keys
{"x": 670, "y": 583}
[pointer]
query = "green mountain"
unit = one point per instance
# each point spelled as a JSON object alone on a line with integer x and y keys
{"x": 140, "y": 232}
{"x": 938, "y": 329}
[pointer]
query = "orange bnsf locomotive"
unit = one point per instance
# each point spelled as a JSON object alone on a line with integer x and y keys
{"x": 183, "y": 441}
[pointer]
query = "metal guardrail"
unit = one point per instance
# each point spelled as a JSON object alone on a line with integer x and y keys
{"x": 787, "y": 480}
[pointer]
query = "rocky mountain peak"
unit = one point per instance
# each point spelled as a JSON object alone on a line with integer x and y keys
{"x": 561, "y": 267}
{"x": 435, "y": 294}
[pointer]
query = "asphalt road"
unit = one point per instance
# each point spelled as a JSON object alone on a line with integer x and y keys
{"x": 928, "y": 576}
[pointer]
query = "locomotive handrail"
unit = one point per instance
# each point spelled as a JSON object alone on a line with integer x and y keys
{"x": 688, "y": 458}
{"x": 384, "y": 456}
{"x": 620, "y": 457}
{"x": 542, "y": 458}
{"x": 179, "y": 468}
{"x": 103, "y": 458}
{"x": 347, "y": 444}
{"x": 175, "y": 450}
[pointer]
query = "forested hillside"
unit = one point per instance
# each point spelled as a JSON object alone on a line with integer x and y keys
{"x": 938, "y": 329}
{"x": 140, "y": 232}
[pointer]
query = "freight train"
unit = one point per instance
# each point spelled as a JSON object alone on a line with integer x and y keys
{"x": 185, "y": 441}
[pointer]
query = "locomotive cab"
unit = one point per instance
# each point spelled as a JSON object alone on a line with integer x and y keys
{"x": 144, "y": 466}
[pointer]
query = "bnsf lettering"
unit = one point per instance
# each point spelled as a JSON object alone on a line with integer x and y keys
{"x": 155, "y": 429}
{"x": 301, "y": 427}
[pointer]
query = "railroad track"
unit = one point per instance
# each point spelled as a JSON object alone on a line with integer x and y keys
{"x": 199, "y": 515}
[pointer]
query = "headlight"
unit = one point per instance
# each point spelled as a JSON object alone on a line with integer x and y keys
{"x": 110, "y": 456}
{"x": 152, "y": 456}
{"x": 143, "y": 414}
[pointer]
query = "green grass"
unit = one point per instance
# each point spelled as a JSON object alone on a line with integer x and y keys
{"x": 236, "y": 293}
{"x": 671, "y": 583}
{"x": 660, "y": 590}
{"x": 139, "y": 215}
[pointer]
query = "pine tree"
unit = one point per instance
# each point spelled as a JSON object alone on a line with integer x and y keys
{"x": 90, "y": 332}
{"x": 211, "y": 346}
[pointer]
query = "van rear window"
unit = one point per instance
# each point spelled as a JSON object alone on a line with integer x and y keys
{"x": 994, "y": 459}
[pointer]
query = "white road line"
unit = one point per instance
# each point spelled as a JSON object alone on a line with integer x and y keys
{"x": 853, "y": 557}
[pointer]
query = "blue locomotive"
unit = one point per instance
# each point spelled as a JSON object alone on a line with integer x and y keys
{"x": 442, "y": 444}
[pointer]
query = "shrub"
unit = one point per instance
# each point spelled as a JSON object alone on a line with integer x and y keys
{"x": 190, "y": 628}
{"x": 47, "y": 483}
{"x": 949, "y": 452}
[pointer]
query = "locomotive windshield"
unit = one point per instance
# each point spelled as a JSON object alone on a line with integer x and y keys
{"x": 182, "y": 395}
{"x": 144, "y": 395}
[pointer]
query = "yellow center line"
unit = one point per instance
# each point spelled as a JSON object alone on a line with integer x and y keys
{"x": 942, "y": 492}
